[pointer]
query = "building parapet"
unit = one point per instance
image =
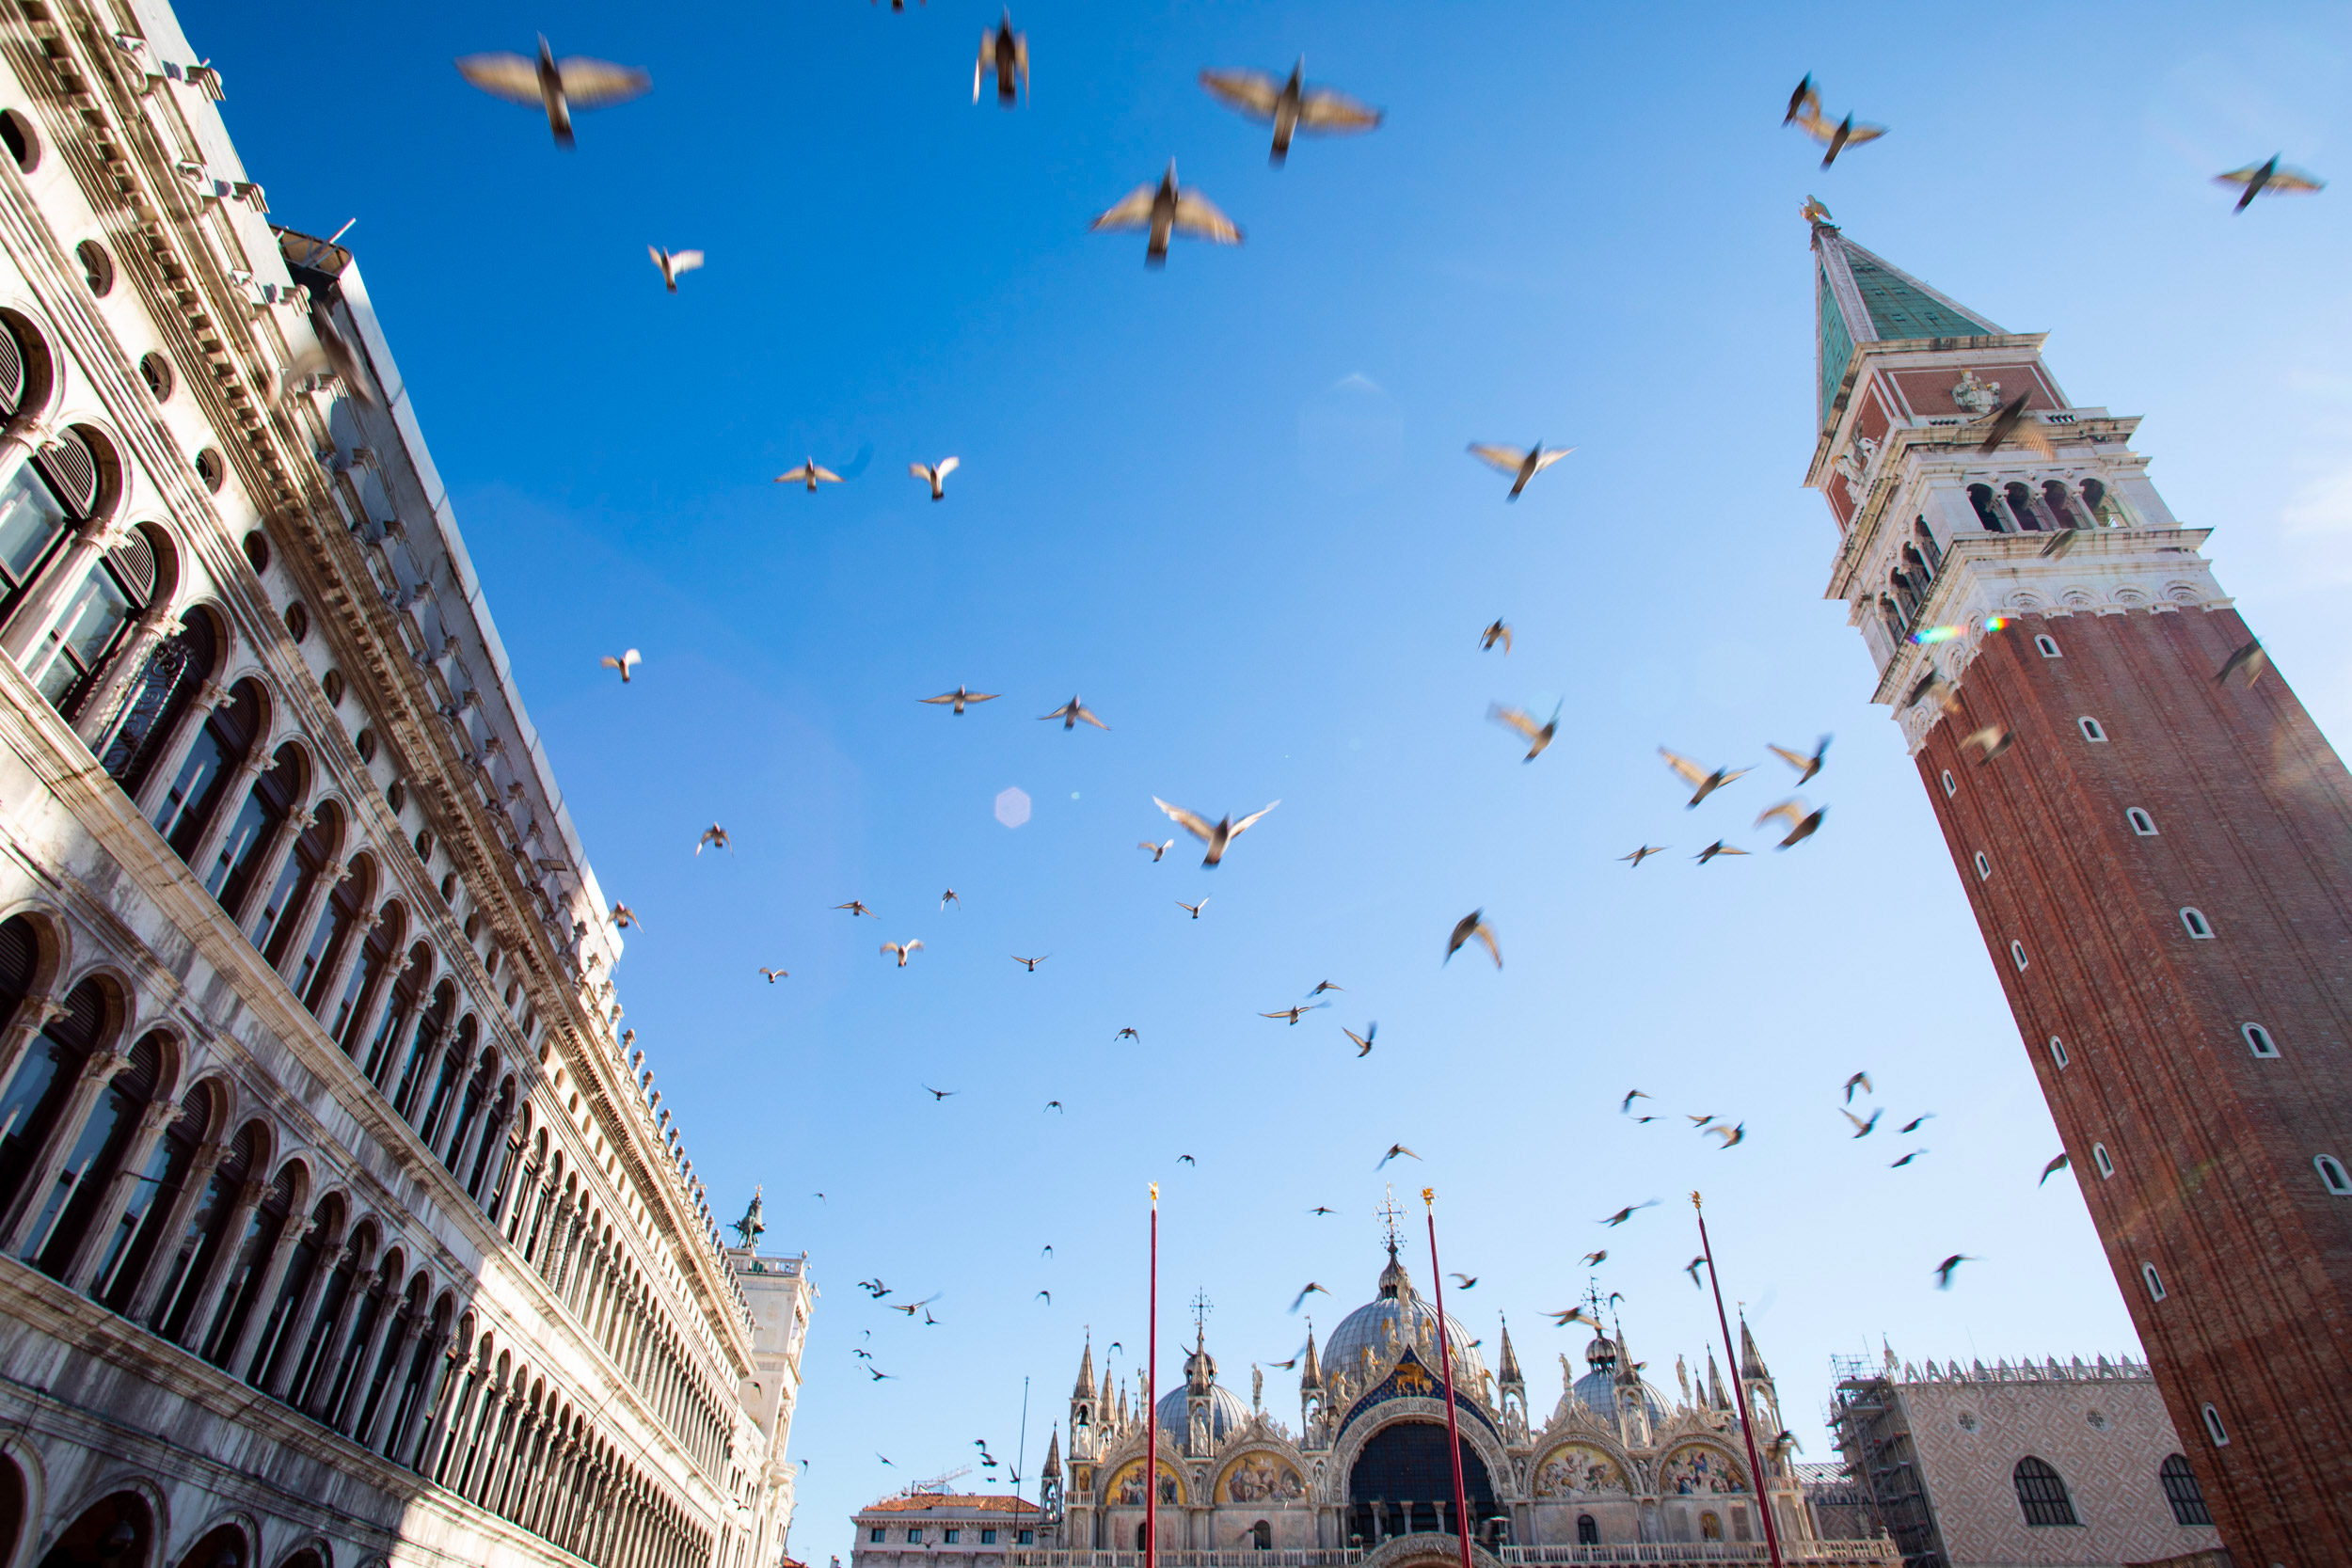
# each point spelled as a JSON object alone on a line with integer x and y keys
{"x": 1657, "y": 1553}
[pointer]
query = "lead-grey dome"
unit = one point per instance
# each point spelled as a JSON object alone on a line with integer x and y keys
{"x": 1596, "y": 1390}
{"x": 1398, "y": 1303}
{"x": 1227, "y": 1414}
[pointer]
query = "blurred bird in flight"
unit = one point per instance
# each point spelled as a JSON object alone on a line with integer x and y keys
{"x": 1166, "y": 210}
{"x": 1473, "y": 925}
{"x": 624, "y": 663}
{"x": 1801, "y": 824}
{"x": 1070, "y": 713}
{"x": 1644, "y": 852}
{"x": 959, "y": 699}
{"x": 1804, "y": 112}
{"x": 1293, "y": 106}
{"x": 2268, "y": 178}
{"x": 1496, "y": 632}
{"x": 904, "y": 950}
{"x": 1005, "y": 52}
{"x": 714, "y": 835}
{"x": 810, "y": 473}
{"x": 1805, "y": 766}
{"x": 1520, "y": 466}
{"x": 555, "y": 87}
{"x": 1536, "y": 735}
{"x": 1219, "y": 838}
{"x": 673, "y": 263}
{"x": 935, "y": 474}
{"x": 1702, "y": 783}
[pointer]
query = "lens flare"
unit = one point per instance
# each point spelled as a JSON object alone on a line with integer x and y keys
{"x": 1929, "y": 636}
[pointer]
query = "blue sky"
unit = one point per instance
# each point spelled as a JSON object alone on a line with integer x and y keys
{"x": 1229, "y": 504}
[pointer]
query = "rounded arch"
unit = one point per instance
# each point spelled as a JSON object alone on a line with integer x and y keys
{"x": 1261, "y": 1472}
{"x": 18, "y": 1504}
{"x": 106, "y": 483}
{"x": 119, "y": 1528}
{"x": 103, "y": 981}
{"x": 32, "y": 386}
{"x": 1584, "y": 1465}
{"x": 317, "y": 1552}
{"x": 228, "y": 1542}
{"x": 1400, "y": 1480}
{"x": 1700, "y": 1466}
{"x": 34, "y": 948}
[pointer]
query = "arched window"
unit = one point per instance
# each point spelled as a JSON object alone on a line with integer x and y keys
{"x": 1906, "y": 597}
{"x": 351, "y": 1264}
{"x": 346, "y": 901}
{"x": 488, "y": 1182}
{"x": 38, "y": 507}
{"x": 70, "y": 1205}
{"x": 1587, "y": 1530}
{"x": 424, "y": 1048}
{"x": 1924, "y": 538}
{"x": 446, "y": 1084}
{"x": 470, "y": 1102}
{"x": 230, "y": 731}
{"x": 1262, "y": 1536}
{"x": 65, "y": 663}
{"x": 375, "y": 1293}
{"x": 2048, "y": 646}
{"x": 2331, "y": 1174}
{"x": 2054, "y": 497}
{"x": 2020, "y": 502}
{"x": 43, "y": 1082}
{"x": 367, "y": 976}
{"x": 1949, "y": 786}
{"x": 2214, "y": 1430}
{"x": 2017, "y": 954}
{"x": 263, "y": 1228}
{"x": 407, "y": 995}
{"x": 411, "y": 1310}
{"x": 223, "y": 1547}
{"x": 1895, "y": 628}
{"x": 2182, "y": 1491}
{"x": 417, "y": 1387}
{"x": 205, "y": 1233}
{"x": 2099, "y": 1158}
{"x": 1711, "y": 1525}
{"x": 2143, "y": 824}
{"x": 1985, "y": 867}
{"x": 1980, "y": 498}
{"x": 2042, "y": 1493}
{"x": 255, "y": 828}
{"x": 2095, "y": 503}
{"x": 115, "y": 1530}
{"x": 2092, "y": 730}
{"x": 2194, "y": 922}
{"x": 2154, "y": 1280}
{"x": 274, "y": 922}
{"x": 139, "y": 1232}
{"x": 158, "y": 700}
{"x": 1143, "y": 1537}
{"x": 2257, "y": 1040}
{"x": 281, "y": 1335}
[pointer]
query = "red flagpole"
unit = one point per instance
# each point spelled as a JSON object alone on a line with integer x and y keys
{"x": 1739, "y": 1389}
{"x": 1152, "y": 1403}
{"x": 1445, "y": 1360}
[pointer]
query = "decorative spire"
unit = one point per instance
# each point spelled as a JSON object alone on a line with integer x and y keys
{"x": 1390, "y": 1214}
{"x": 1311, "y": 1376}
{"x": 1052, "y": 1454}
{"x": 1864, "y": 299}
{"x": 1715, "y": 1396}
{"x": 1084, "y": 1389}
{"x": 1509, "y": 1375}
{"x": 1751, "y": 1361}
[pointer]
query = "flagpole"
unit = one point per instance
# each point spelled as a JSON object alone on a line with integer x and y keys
{"x": 1445, "y": 1361}
{"x": 1739, "y": 1389}
{"x": 1151, "y": 1402}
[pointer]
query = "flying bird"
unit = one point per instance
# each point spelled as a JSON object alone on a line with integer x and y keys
{"x": 1319, "y": 1210}
{"x": 1860, "y": 1081}
{"x": 905, "y": 950}
{"x": 1520, "y": 466}
{"x": 810, "y": 473}
{"x": 1219, "y": 838}
{"x": 856, "y": 908}
{"x": 1070, "y": 713}
{"x": 1696, "y": 1122}
{"x": 1046, "y": 1251}
{"x": 1312, "y": 1289}
{"x": 949, "y": 897}
{"x": 1702, "y": 782}
{"x": 2268, "y": 178}
{"x": 1993, "y": 738}
{"x": 2061, "y": 541}
{"x": 1693, "y": 1267}
{"x": 2052, "y": 1168}
{"x": 1394, "y": 1150}
{"x": 1625, "y": 1214}
{"x": 1006, "y": 53}
{"x": 1731, "y": 1135}
{"x": 627, "y": 662}
{"x": 1188, "y": 1160}
{"x": 1321, "y": 986}
{"x": 671, "y": 262}
{"x": 1497, "y": 632}
{"x": 1718, "y": 848}
{"x": 1031, "y": 962}
{"x": 1907, "y": 1159}
{"x": 1127, "y": 1035}
{"x": 1295, "y": 1013}
{"x": 1193, "y": 910}
{"x": 1644, "y": 852}
{"x": 1363, "y": 1041}
{"x": 1862, "y": 1129}
{"x": 775, "y": 975}
{"x": 935, "y": 474}
{"x": 714, "y": 835}
{"x": 1157, "y": 850}
{"x": 1593, "y": 1260}
{"x": 1805, "y": 766}
{"x": 1470, "y": 926}
{"x": 1943, "y": 1269}
{"x": 1293, "y": 106}
{"x": 1800, "y": 99}
{"x": 1626, "y": 1104}
{"x": 1804, "y": 112}
{"x": 555, "y": 87}
{"x": 1055, "y": 1106}
{"x": 2009, "y": 420}
{"x": 1164, "y": 211}
{"x": 1801, "y": 826}
{"x": 911, "y": 1308}
{"x": 2252, "y": 659}
{"x": 625, "y": 917}
{"x": 938, "y": 1094}
{"x": 1912, "y": 1125}
{"x": 960, "y": 698}
{"x": 1536, "y": 735}
{"x": 880, "y": 1376}
{"x": 1466, "y": 1280}
{"x": 1574, "y": 1315}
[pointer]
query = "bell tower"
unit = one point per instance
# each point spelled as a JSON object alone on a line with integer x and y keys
{"x": 2156, "y": 842}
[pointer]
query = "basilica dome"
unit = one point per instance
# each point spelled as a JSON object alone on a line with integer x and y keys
{"x": 1596, "y": 1390}
{"x": 1227, "y": 1414}
{"x": 1401, "y": 1306}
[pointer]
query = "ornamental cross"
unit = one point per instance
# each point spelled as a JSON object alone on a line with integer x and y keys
{"x": 1389, "y": 1214}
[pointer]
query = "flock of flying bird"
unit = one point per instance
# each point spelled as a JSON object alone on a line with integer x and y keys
{"x": 1163, "y": 211}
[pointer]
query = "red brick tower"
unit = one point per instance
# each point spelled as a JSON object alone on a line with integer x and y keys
{"x": 2160, "y": 860}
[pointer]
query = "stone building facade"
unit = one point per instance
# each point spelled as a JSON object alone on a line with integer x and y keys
{"x": 336, "y": 1226}
{"x": 2031, "y": 1464}
{"x": 923, "y": 1529}
{"x": 2156, "y": 842}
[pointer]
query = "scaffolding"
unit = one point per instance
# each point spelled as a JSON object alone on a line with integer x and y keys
{"x": 1874, "y": 1439}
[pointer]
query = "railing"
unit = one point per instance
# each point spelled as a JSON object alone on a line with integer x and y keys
{"x": 1295, "y": 1558}
{"x": 1821, "y": 1554}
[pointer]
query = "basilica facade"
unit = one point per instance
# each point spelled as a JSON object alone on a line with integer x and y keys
{"x": 1613, "y": 1461}
{"x": 339, "y": 1225}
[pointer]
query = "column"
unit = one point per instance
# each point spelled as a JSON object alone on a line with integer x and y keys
{"x": 273, "y": 861}
{"x": 157, "y": 1116}
{"x": 216, "y": 1278}
{"x": 175, "y": 753}
{"x": 175, "y": 1226}
{"x": 306, "y": 919}
{"x": 35, "y": 1014}
{"x": 430, "y": 1399}
{"x": 449, "y": 1415}
{"x": 337, "y": 1344}
{"x": 48, "y": 599}
{"x": 485, "y": 1125}
{"x": 258, "y": 762}
{"x": 25, "y": 433}
{"x": 297, "y": 1329}
{"x": 273, "y": 1276}
{"x": 409, "y": 1323}
{"x": 356, "y": 1392}
{"x": 95, "y": 723}
{"x": 355, "y": 950}
{"x": 49, "y": 1159}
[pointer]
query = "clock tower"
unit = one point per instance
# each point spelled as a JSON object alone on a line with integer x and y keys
{"x": 2156, "y": 842}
